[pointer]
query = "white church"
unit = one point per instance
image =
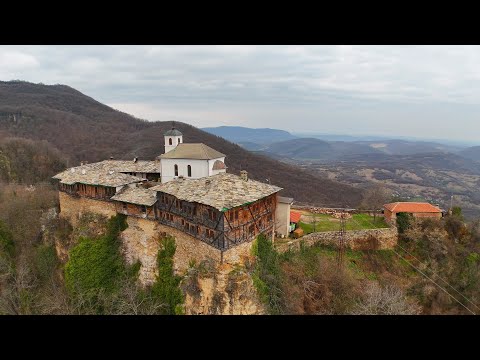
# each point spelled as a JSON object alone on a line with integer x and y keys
{"x": 191, "y": 161}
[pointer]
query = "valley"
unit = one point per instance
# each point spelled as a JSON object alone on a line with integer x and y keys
{"x": 412, "y": 170}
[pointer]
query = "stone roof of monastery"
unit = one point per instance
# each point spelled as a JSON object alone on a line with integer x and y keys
{"x": 222, "y": 191}
{"x": 106, "y": 173}
{"x": 197, "y": 151}
{"x": 136, "y": 195}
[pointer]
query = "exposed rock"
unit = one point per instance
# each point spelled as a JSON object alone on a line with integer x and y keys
{"x": 225, "y": 290}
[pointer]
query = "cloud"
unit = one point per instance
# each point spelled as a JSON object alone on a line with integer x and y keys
{"x": 276, "y": 86}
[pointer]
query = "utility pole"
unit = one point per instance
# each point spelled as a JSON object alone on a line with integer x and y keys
{"x": 341, "y": 242}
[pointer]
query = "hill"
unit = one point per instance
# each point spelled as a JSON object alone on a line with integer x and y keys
{"x": 239, "y": 134}
{"x": 27, "y": 161}
{"x": 472, "y": 153}
{"x": 433, "y": 177}
{"x": 84, "y": 129}
{"x": 403, "y": 147}
{"x": 303, "y": 148}
{"x": 316, "y": 149}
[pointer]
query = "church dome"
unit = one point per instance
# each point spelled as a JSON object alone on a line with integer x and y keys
{"x": 219, "y": 165}
{"x": 173, "y": 132}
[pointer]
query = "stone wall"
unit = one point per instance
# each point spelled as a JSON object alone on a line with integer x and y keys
{"x": 238, "y": 254}
{"x": 140, "y": 239}
{"x": 72, "y": 208}
{"x": 140, "y": 242}
{"x": 372, "y": 239}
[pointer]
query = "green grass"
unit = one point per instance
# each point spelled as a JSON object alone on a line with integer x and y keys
{"x": 357, "y": 222}
{"x": 353, "y": 259}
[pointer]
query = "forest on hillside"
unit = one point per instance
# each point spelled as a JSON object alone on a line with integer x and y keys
{"x": 82, "y": 129}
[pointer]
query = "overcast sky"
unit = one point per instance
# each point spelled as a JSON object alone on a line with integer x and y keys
{"x": 419, "y": 91}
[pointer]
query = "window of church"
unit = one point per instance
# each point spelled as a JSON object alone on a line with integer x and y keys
{"x": 189, "y": 169}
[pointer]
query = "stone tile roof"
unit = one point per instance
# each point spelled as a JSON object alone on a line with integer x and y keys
{"x": 105, "y": 173}
{"x": 142, "y": 166}
{"x": 192, "y": 151}
{"x": 136, "y": 195}
{"x": 222, "y": 191}
{"x": 412, "y": 207}
{"x": 173, "y": 132}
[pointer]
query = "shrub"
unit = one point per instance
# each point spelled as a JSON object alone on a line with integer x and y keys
{"x": 457, "y": 211}
{"x": 96, "y": 264}
{"x": 166, "y": 288}
{"x": 7, "y": 244}
{"x": 267, "y": 274}
{"x": 403, "y": 221}
{"x": 455, "y": 227}
{"x": 45, "y": 261}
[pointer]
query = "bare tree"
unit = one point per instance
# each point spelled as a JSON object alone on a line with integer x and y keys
{"x": 388, "y": 300}
{"x": 375, "y": 197}
{"x": 17, "y": 296}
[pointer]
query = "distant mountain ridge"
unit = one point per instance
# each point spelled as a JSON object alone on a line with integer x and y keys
{"x": 239, "y": 134}
{"x": 84, "y": 129}
{"x": 314, "y": 148}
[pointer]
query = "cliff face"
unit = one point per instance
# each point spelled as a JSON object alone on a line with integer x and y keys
{"x": 224, "y": 290}
{"x": 209, "y": 286}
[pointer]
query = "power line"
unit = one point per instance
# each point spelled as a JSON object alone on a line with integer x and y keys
{"x": 438, "y": 277}
{"x": 341, "y": 245}
{"x": 458, "y": 292}
{"x": 425, "y": 275}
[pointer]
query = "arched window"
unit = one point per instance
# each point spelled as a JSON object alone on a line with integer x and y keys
{"x": 176, "y": 169}
{"x": 189, "y": 169}
{"x": 179, "y": 140}
{"x": 170, "y": 141}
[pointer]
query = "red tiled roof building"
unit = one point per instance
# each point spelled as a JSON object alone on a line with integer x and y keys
{"x": 295, "y": 216}
{"x": 417, "y": 209}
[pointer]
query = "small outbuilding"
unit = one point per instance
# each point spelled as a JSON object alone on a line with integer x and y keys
{"x": 282, "y": 216}
{"x": 294, "y": 220}
{"x": 417, "y": 209}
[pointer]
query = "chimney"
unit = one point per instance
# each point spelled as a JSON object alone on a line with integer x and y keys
{"x": 111, "y": 157}
{"x": 135, "y": 159}
{"x": 244, "y": 175}
{"x": 81, "y": 163}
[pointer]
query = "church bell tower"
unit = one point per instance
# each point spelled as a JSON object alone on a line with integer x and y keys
{"x": 173, "y": 137}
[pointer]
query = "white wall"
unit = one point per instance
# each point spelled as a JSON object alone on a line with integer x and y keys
{"x": 200, "y": 168}
{"x": 282, "y": 218}
{"x": 175, "y": 142}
